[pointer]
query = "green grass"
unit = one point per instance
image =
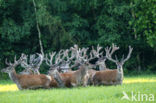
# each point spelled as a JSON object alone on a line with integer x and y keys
{"x": 102, "y": 94}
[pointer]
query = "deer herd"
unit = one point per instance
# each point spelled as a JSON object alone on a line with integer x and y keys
{"x": 68, "y": 68}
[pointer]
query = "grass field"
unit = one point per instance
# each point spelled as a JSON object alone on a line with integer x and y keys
{"x": 103, "y": 94}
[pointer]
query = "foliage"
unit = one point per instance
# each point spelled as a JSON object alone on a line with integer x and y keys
{"x": 82, "y": 22}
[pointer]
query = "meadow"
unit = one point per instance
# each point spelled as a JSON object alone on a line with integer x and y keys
{"x": 143, "y": 84}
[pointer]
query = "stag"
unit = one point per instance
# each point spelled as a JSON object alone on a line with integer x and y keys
{"x": 54, "y": 66}
{"x": 111, "y": 76}
{"x": 24, "y": 81}
{"x": 70, "y": 79}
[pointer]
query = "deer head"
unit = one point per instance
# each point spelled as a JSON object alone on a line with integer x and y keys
{"x": 11, "y": 66}
{"x": 116, "y": 61}
{"x": 54, "y": 66}
{"x": 54, "y": 60}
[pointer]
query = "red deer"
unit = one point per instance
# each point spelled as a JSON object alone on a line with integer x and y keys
{"x": 69, "y": 79}
{"x": 57, "y": 81}
{"x": 97, "y": 59}
{"x": 110, "y": 76}
{"x": 26, "y": 81}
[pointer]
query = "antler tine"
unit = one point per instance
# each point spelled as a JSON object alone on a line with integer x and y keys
{"x": 47, "y": 60}
{"x": 114, "y": 48}
{"x": 91, "y": 55}
{"x": 6, "y": 62}
{"x": 52, "y": 54}
{"x": 24, "y": 62}
{"x": 99, "y": 48}
{"x": 71, "y": 57}
{"x": 107, "y": 49}
{"x": 85, "y": 50}
{"x": 109, "y": 55}
{"x": 82, "y": 54}
{"x": 72, "y": 54}
{"x": 58, "y": 57}
{"x": 97, "y": 52}
{"x": 116, "y": 58}
{"x": 41, "y": 57}
{"x": 122, "y": 57}
{"x": 75, "y": 50}
{"x": 32, "y": 57}
{"x": 75, "y": 47}
{"x": 65, "y": 54}
{"x": 129, "y": 54}
{"x": 17, "y": 61}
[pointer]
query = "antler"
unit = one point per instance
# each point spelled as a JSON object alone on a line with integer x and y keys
{"x": 79, "y": 54}
{"x": 6, "y": 62}
{"x": 96, "y": 53}
{"x": 34, "y": 62}
{"x": 24, "y": 63}
{"x": 16, "y": 62}
{"x": 69, "y": 58}
{"x": 128, "y": 56}
{"x": 59, "y": 57}
{"x": 49, "y": 62}
{"x": 109, "y": 54}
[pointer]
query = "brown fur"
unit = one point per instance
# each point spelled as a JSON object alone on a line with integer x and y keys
{"x": 73, "y": 78}
{"x": 105, "y": 77}
{"x": 30, "y": 81}
{"x": 53, "y": 83}
{"x": 88, "y": 79}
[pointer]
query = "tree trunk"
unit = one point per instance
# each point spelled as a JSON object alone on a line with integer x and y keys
{"x": 38, "y": 29}
{"x": 133, "y": 15}
{"x": 139, "y": 63}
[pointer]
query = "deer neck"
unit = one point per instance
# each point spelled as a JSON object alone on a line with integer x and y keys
{"x": 82, "y": 71}
{"x": 80, "y": 74}
{"x": 102, "y": 66}
{"x": 120, "y": 74}
{"x": 58, "y": 78}
{"x": 36, "y": 72}
{"x": 13, "y": 76}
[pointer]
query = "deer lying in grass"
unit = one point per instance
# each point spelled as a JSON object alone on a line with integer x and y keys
{"x": 96, "y": 58}
{"x": 32, "y": 67}
{"x": 24, "y": 81}
{"x": 69, "y": 79}
{"x": 111, "y": 76}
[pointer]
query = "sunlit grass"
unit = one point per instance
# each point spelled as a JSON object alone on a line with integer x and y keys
{"x": 100, "y": 94}
{"x": 10, "y": 87}
{"x": 144, "y": 79}
{"x": 13, "y": 87}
